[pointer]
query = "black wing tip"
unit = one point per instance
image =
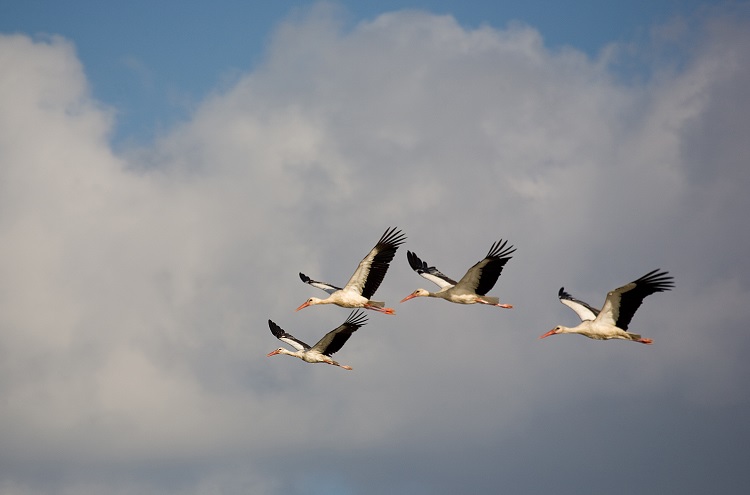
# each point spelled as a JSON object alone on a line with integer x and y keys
{"x": 356, "y": 318}
{"x": 414, "y": 261}
{"x": 660, "y": 281}
{"x": 562, "y": 294}
{"x": 393, "y": 236}
{"x": 276, "y": 330}
{"x": 499, "y": 250}
{"x": 304, "y": 278}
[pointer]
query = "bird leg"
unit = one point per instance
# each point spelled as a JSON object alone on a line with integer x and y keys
{"x": 388, "y": 311}
{"x": 499, "y": 305}
{"x": 335, "y": 363}
{"x": 645, "y": 341}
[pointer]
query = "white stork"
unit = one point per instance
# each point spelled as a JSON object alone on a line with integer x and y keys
{"x": 321, "y": 352}
{"x": 366, "y": 279}
{"x": 619, "y": 307}
{"x": 473, "y": 286}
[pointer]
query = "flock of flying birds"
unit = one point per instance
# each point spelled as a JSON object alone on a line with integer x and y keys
{"x": 611, "y": 322}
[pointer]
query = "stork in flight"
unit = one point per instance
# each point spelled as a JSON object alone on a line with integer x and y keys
{"x": 321, "y": 352}
{"x": 366, "y": 279}
{"x": 473, "y": 286}
{"x": 619, "y": 307}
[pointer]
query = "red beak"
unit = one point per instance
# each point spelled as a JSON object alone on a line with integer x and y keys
{"x": 410, "y": 296}
{"x": 551, "y": 332}
{"x": 304, "y": 305}
{"x": 273, "y": 353}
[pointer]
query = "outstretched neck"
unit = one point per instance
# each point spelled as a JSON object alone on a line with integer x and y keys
{"x": 564, "y": 329}
{"x": 426, "y": 293}
{"x": 297, "y": 354}
{"x": 327, "y": 300}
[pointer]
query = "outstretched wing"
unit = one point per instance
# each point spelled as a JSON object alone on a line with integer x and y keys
{"x": 320, "y": 285}
{"x": 622, "y": 303}
{"x": 372, "y": 269}
{"x": 429, "y": 272}
{"x": 482, "y": 277}
{"x": 290, "y": 339}
{"x": 334, "y": 340}
{"x": 583, "y": 310}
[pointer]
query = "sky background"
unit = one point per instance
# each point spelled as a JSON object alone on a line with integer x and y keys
{"x": 166, "y": 172}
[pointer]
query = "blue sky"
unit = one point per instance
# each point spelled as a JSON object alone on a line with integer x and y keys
{"x": 154, "y": 61}
{"x": 166, "y": 174}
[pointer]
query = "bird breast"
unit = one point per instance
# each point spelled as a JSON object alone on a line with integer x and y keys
{"x": 349, "y": 299}
{"x": 313, "y": 357}
{"x": 458, "y": 297}
{"x": 601, "y": 331}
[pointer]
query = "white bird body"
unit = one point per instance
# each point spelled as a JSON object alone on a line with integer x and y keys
{"x": 308, "y": 356}
{"x": 602, "y": 331}
{"x": 457, "y": 295}
{"x": 365, "y": 280}
{"x": 619, "y": 307}
{"x": 346, "y": 298}
{"x": 321, "y": 352}
{"x": 473, "y": 286}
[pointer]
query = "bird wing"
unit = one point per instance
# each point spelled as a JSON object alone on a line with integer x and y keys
{"x": 372, "y": 269}
{"x": 429, "y": 272}
{"x": 583, "y": 310}
{"x": 481, "y": 277}
{"x": 320, "y": 285}
{"x": 334, "y": 340}
{"x": 280, "y": 334}
{"x": 622, "y": 303}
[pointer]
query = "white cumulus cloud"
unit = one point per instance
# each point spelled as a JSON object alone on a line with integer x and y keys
{"x": 135, "y": 286}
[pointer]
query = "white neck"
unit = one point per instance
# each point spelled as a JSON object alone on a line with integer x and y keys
{"x": 291, "y": 353}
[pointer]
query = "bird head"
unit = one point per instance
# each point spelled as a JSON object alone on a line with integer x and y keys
{"x": 310, "y": 302}
{"x": 416, "y": 293}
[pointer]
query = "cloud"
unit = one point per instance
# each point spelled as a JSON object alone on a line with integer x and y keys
{"x": 135, "y": 286}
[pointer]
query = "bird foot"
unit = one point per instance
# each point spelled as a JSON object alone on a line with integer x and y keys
{"x": 388, "y": 311}
{"x": 346, "y": 367}
{"x": 645, "y": 341}
{"x": 506, "y": 306}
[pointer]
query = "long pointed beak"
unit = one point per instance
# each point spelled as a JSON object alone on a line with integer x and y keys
{"x": 410, "y": 296}
{"x": 304, "y": 305}
{"x": 551, "y": 332}
{"x": 272, "y": 353}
